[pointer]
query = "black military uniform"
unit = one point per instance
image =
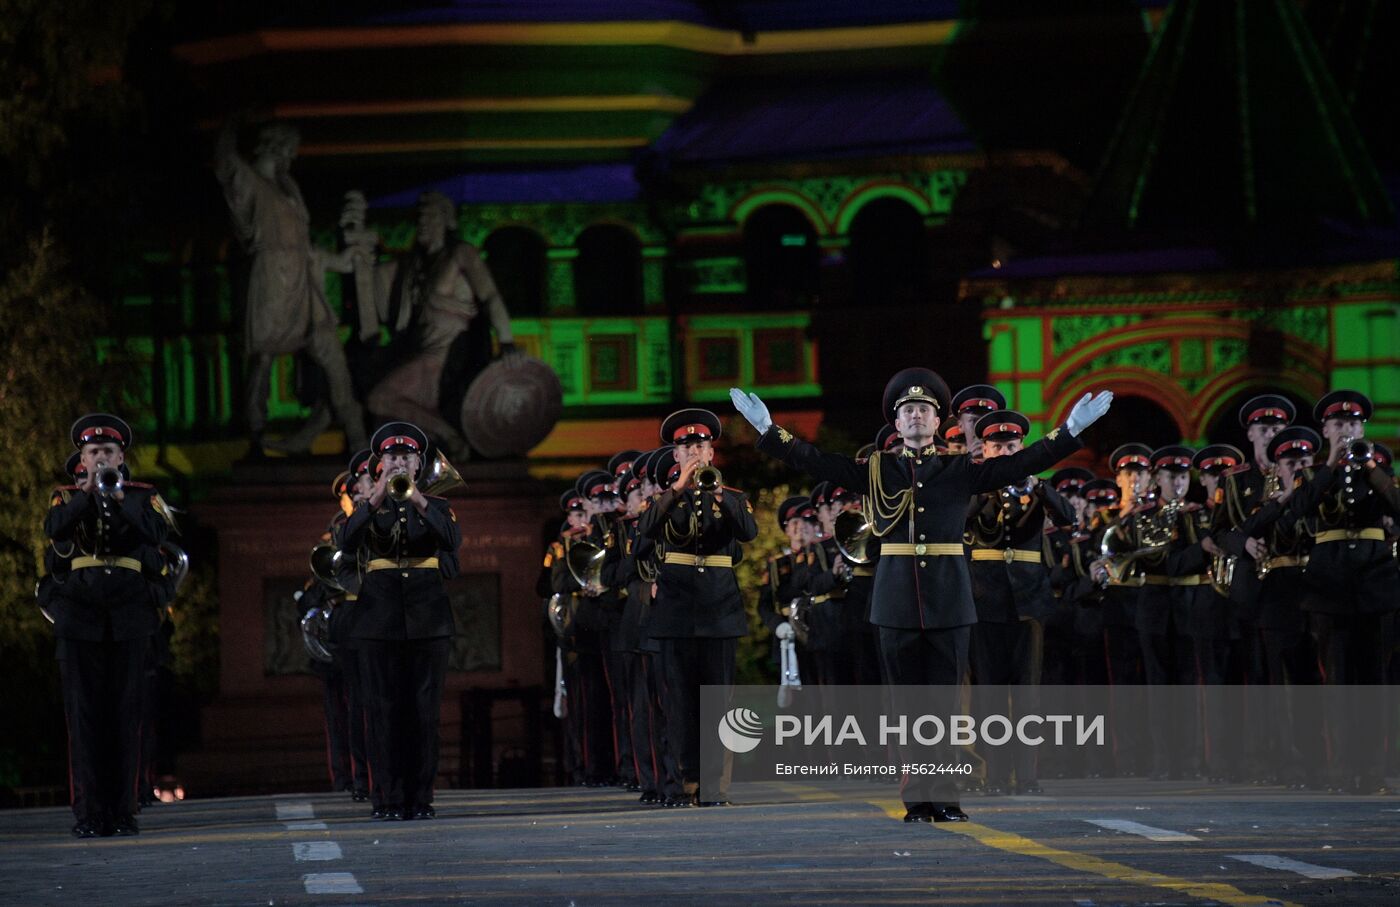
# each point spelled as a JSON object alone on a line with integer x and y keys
{"x": 787, "y": 580}
{"x": 1011, "y": 591}
{"x": 698, "y": 612}
{"x": 1293, "y": 727}
{"x": 1059, "y": 661}
{"x": 106, "y": 611}
{"x": 1354, "y": 572}
{"x": 922, "y": 597}
{"x": 402, "y": 626}
{"x": 608, "y": 533}
{"x": 348, "y": 662}
{"x": 572, "y": 641}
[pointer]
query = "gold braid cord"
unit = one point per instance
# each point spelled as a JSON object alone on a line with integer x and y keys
{"x": 885, "y": 508}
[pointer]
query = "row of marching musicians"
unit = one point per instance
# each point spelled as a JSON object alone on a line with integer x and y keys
{"x": 1284, "y": 577}
{"x": 646, "y": 608}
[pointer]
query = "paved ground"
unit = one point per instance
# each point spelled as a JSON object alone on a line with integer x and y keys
{"x": 1090, "y": 843}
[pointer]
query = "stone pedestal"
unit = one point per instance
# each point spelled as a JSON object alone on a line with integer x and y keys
{"x": 265, "y": 729}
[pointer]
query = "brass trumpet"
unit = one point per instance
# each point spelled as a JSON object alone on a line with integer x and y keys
{"x": 1356, "y": 450}
{"x": 109, "y": 480}
{"x": 401, "y": 486}
{"x": 708, "y": 478}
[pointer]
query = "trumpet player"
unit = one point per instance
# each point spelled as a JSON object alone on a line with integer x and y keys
{"x": 572, "y": 641}
{"x": 406, "y": 545}
{"x": 1012, "y": 595}
{"x": 1354, "y": 572}
{"x": 698, "y": 611}
{"x": 108, "y": 530}
{"x": 922, "y": 594}
{"x": 787, "y": 579}
{"x": 969, "y": 405}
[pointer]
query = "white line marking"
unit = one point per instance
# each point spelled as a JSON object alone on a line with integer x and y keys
{"x": 287, "y": 812}
{"x": 331, "y": 883}
{"x": 306, "y": 826}
{"x": 1310, "y": 870}
{"x": 316, "y": 850}
{"x": 1146, "y": 831}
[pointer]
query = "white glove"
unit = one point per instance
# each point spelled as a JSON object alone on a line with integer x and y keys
{"x": 1087, "y": 411}
{"x": 752, "y": 409}
{"x": 784, "y": 631}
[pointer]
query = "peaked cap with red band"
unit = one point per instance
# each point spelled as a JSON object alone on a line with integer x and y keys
{"x": 1269, "y": 409}
{"x": 1294, "y": 441}
{"x": 1003, "y": 425}
{"x": 1071, "y": 480}
{"x": 688, "y": 425}
{"x": 1132, "y": 454}
{"x": 1173, "y": 456}
{"x": 399, "y": 437}
{"x": 1215, "y": 458}
{"x": 1343, "y": 405}
{"x": 978, "y": 398}
{"x": 101, "y": 428}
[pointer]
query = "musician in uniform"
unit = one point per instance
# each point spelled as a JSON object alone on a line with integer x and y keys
{"x": 600, "y": 488}
{"x": 406, "y": 543}
{"x": 1293, "y": 727}
{"x": 1011, "y": 591}
{"x": 1058, "y": 663}
{"x": 1354, "y": 572}
{"x": 952, "y": 434}
{"x": 969, "y": 405}
{"x": 108, "y": 531}
{"x": 361, "y": 484}
{"x": 573, "y": 694}
{"x": 922, "y": 595}
{"x": 698, "y": 611}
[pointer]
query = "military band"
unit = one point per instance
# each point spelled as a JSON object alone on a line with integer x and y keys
{"x": 935, "y": 556}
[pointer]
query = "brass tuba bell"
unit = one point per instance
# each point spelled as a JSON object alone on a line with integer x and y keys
{"x": 852, "y": 532}
{"x": 325, "y": 565}
{"x": 585, "y": 561}
{"x": 440, "y": 477}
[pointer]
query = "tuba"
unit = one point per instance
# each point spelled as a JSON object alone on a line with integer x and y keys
{"x": 585, "y": 562}
{"x": 852, "y": 532}
{"x": 316, "y": 634}
{"x": 560, "y": 611}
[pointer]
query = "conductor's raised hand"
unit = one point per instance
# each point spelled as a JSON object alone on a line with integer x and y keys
{"x": 752, "y": 409}
{"x": 1087, "y": 411}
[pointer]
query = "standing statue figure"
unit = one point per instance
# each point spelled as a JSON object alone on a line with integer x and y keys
{"x": 436, "y": 291}
{"x": 286, "y": 304}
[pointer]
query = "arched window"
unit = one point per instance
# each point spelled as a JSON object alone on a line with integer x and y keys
{"x": 781, "y": 258}
{"x": 516, "y": 257}
{"x": 608, "y": 271}
{"x": 888, "y": 254}
{"x": 1132, "y": 418}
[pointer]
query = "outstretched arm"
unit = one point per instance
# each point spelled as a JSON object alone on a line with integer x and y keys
{"x": 781, "y": 444}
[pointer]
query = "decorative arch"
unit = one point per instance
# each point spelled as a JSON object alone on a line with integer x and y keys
{"x": 1139, "y": 382}
{"x": 1233, "y": 382}
{"x": 869, "y": 192}
{"x": 779, "y": 195}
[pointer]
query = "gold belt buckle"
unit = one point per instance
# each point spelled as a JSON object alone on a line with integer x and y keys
{"x": 1009, "y": 555}
{"x": 920, "y": 549}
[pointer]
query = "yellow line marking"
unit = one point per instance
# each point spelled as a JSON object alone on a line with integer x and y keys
{"x": 1014, "y": 843}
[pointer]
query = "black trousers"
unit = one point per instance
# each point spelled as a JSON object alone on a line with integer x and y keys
{"x": 403, "y": 686}
{"x": 1007, "y": 659}
{"x": 645, "y": 718}
{"x": 1351, "y": 649}
{"x": 924, "y": 658}
{"x": 1295, "y": 725}
{"x": 358, "y": 720}
{"x": 620, "y": 712}
{"x": 104, "y": 689}
{"x": 1128, "y": 708}
{"x": 690, "y": 663}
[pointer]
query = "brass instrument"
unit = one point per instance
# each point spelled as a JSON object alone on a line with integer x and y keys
{"x": 109, "y": 480}
{"x": 852, "y": 532}
{"x": 1154, "y": 532}
{"x": 1222, "y": 573}
{"x": 1356, "y": 450}
{"x": 585, "y": 563}
{"x": 1272, "y": 484}
{"x": 401, "y": 486}
{"x": 440, "y": 477}
{"x": 560, "y": 610}
{"x": 799, "y": 617}
{"x": 177, "y": 563}
{"x": 316, "y": 634}
{"x": 708, "y": 478}
{"x": 326, "y": 562}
